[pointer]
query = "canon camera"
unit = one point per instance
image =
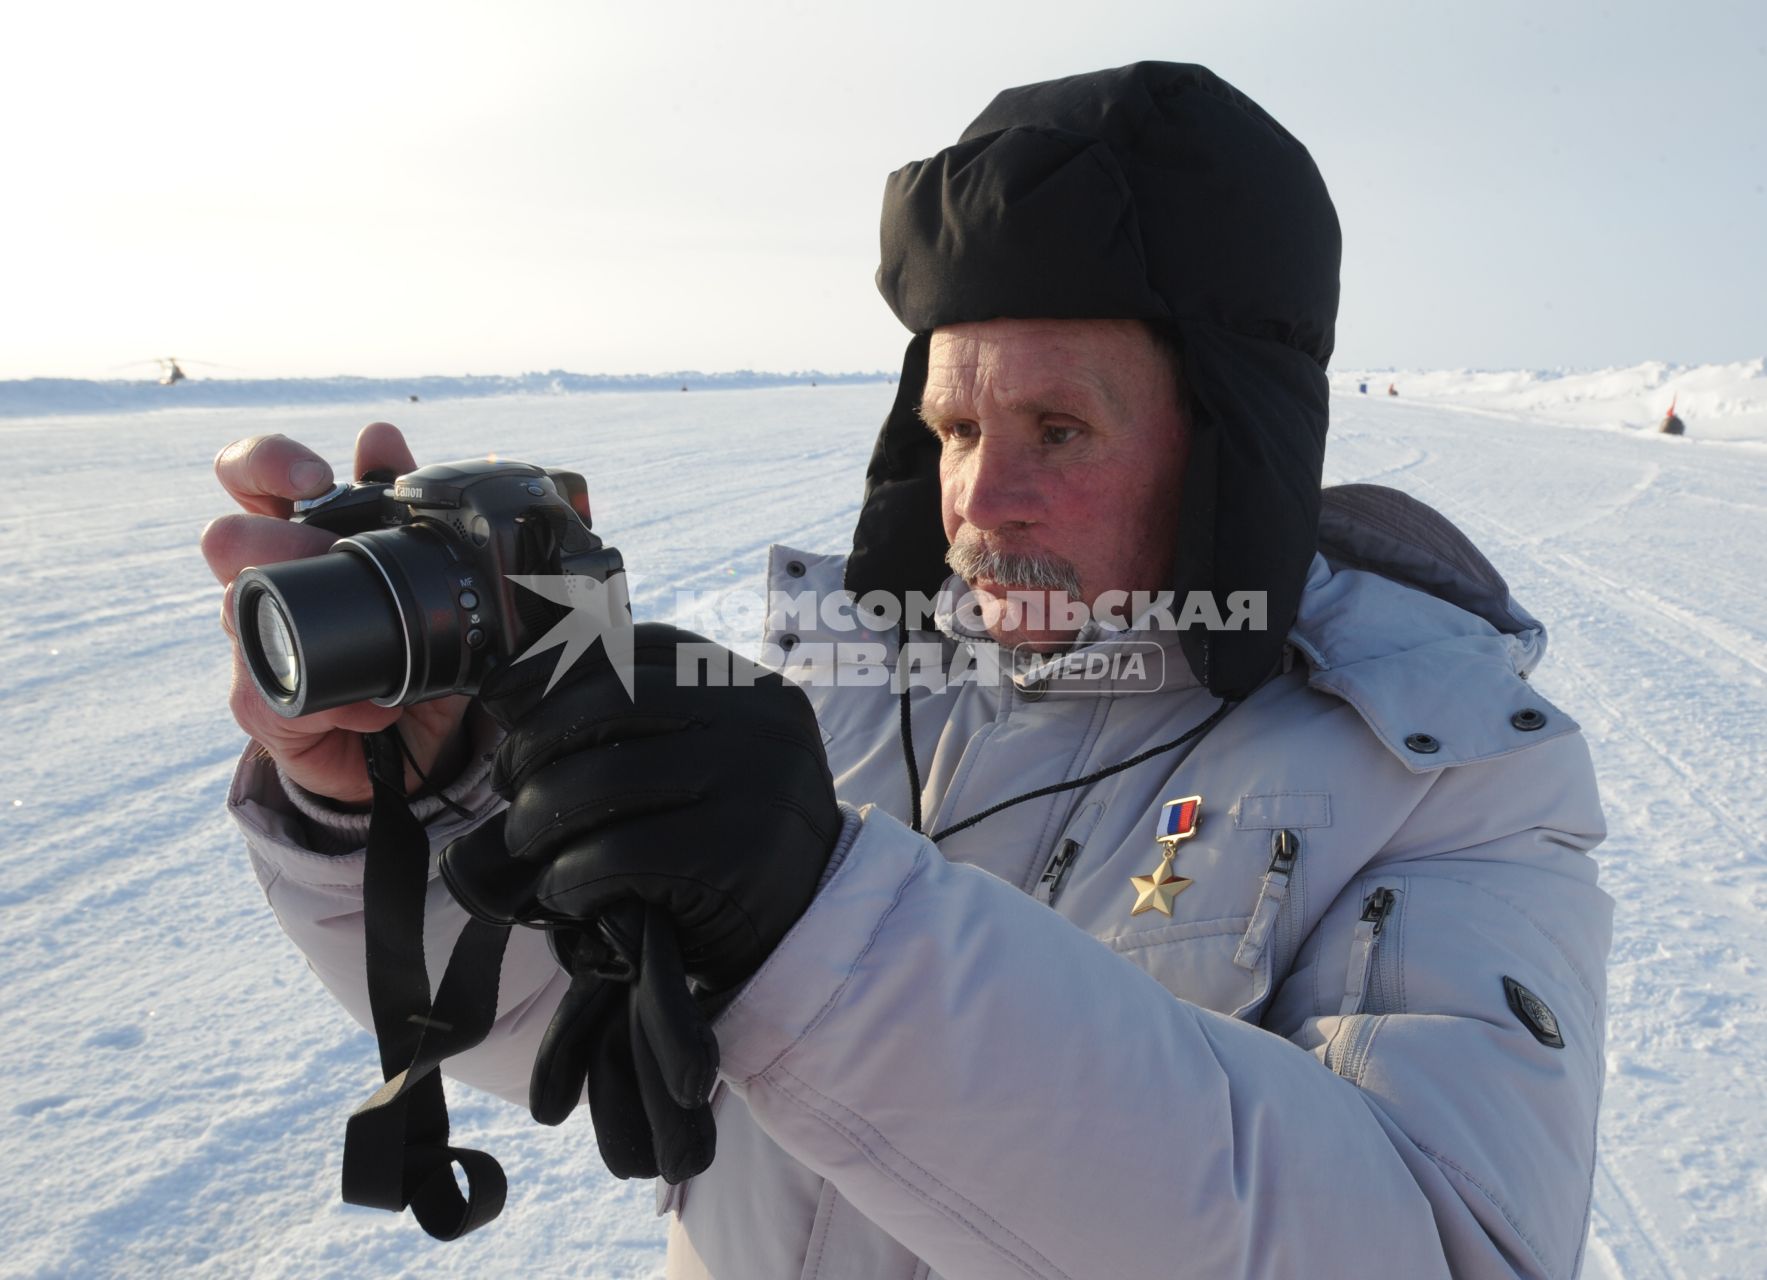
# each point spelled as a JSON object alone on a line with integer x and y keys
{"x": 415, "y": 599}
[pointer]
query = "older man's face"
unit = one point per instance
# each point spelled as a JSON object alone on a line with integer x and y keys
{"x": 1063, "y": 442}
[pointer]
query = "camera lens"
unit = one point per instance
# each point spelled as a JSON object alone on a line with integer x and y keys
{"x": 375, "y": 619}
{"x": 281, "y": 663}
{"x": 321, "y": 633}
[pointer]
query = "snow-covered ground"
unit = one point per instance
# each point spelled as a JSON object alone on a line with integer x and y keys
{"x": 1714, "y": 401}
{"x": 175, "y": 1083}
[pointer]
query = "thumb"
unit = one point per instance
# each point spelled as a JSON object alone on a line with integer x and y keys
{"x": 669, "y": 1019}
{"x": 484, "y": 879}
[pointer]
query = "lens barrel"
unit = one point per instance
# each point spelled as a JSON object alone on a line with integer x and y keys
{"x": 336, "y": 615}
{"x": 376, "y": 619}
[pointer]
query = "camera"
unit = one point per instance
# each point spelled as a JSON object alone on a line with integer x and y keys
{"x": 414, "y": 601}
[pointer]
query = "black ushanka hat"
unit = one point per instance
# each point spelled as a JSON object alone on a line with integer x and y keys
{"x": 1152, "y": 192}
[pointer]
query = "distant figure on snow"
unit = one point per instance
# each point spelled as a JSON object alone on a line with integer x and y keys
{"x": 1362, "y": 388}
{"x": 1672, "y": 425}
{"x": 1392, "y": 388}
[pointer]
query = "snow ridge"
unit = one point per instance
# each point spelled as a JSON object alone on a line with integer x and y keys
{"x": 43, "y": 397}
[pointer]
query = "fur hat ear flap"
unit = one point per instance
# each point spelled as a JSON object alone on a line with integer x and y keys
{"x": 899, "y": 544}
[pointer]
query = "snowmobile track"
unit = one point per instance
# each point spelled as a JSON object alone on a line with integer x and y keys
{"x": 1626, "y": 1230}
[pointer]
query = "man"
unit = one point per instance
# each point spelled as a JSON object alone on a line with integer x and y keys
{"x": 1344, "y": 1014}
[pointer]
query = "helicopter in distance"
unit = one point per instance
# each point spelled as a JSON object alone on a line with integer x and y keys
{"x": 171, "y": 368}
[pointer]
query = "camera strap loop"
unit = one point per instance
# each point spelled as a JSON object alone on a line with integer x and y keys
{"x": 396, "y": 1151}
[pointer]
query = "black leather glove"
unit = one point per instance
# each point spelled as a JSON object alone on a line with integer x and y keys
{"x": 648, "y": 1067}
{"x": 669, "y": 837}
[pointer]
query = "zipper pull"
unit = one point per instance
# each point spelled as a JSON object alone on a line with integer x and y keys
{"x": 1284, "y": 846}
{"x": 1049, "y": 884}
{"x": 1375, "y": 912}
{"x": 1374, "y": 915}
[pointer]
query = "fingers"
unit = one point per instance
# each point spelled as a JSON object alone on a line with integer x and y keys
{"x": 591, "y": 715}
{"x": 581, "y": 794}
{"x": 683, "y": 1139}
{"x": 571, "y": 1044}
{"x": 686, "y": 1051}
{"x": 599, "y": 1038}
{"x": 616, "y": 1105}
{"x": 231, "y": 543}
{"x": 264, "y": 474}
{"x": 484, "y": 879}
{"x": 380, "y": 446}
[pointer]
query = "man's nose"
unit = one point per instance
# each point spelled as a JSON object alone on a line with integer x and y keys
{"x": 998, "y": 487}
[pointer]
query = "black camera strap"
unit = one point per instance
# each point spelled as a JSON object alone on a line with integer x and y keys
{"x": 396, "y": 1152}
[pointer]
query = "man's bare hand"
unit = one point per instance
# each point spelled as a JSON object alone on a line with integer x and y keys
{"x": 321, "y": 752}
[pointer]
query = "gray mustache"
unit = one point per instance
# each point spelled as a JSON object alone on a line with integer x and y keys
{"x": 971, "y": 558}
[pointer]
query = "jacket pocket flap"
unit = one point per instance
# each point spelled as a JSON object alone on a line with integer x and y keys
{"x": 1283, "y": 809}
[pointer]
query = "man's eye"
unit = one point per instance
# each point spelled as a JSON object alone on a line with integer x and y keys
{"x": 960, "y": 431}
{"x": 1059, "y": 435}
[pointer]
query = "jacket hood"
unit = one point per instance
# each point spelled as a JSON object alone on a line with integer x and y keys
{"x": 1152, "y": 192}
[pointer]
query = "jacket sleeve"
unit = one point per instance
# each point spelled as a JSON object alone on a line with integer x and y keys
{"x": 1008, "y": 1097}
{"x": 309, "y": 863}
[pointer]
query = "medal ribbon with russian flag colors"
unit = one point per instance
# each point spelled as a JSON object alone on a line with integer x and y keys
{"x": 1177, "y": 822}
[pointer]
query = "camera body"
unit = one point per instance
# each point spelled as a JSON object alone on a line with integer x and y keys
{"x": 415, "y": 600}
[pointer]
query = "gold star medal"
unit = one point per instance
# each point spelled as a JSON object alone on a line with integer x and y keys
{"x": 1177, "y": 822}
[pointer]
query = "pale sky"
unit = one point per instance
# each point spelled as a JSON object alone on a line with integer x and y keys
{"x": 400, "y": 189}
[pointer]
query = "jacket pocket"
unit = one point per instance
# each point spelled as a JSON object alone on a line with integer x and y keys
{"x": 844, "y": 1243}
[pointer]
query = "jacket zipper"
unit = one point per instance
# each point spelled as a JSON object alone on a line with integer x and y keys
{"x": 1049, "y": 883}
{"x": 1362, "y": 949}
{"x": 1284, "y": 846}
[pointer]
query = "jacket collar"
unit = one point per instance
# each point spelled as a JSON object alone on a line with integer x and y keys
{"x": 1405, "y": 620}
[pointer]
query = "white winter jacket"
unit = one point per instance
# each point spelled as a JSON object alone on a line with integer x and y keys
{"x": 1368, "y": 1040}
